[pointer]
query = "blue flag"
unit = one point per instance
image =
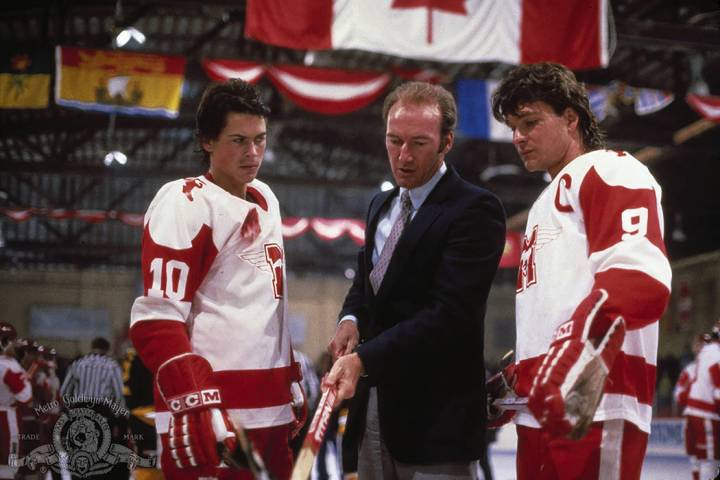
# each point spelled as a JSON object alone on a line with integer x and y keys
{"x": 475, "y": 119}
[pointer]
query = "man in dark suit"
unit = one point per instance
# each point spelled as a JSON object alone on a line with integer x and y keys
{"x": 409, "y": 344}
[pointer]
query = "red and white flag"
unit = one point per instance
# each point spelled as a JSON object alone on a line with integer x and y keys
{"x": 571, "y": 32}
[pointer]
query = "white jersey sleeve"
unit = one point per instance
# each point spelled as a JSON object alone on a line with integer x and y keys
{"x": 14, "y": 384}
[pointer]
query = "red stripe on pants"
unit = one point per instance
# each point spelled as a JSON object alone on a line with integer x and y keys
{"x": 541, "y": 456}
{"x": 697, "y": 435}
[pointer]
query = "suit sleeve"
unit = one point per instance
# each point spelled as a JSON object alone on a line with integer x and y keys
{"x": 623, "y": 221}
{"x": 455, "y": 302}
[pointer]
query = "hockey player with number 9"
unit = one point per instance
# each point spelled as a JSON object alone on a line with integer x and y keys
{"x": 593, "y": 281}
{"x": 210, "y": 324}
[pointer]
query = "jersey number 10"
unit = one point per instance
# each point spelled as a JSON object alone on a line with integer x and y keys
{"x": 174, "y": 269}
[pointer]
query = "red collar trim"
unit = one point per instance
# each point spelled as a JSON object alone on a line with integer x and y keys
{"x": 255, "y": 196}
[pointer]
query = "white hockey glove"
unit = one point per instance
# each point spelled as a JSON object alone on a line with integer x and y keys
{"x": 198, "y": 425}
{"x": 571, "y": 379}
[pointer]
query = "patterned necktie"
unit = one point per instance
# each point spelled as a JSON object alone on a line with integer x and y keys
{"x": 378, "y": 272}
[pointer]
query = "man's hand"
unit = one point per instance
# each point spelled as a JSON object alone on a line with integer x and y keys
{"x": 569, "y": 384}
{"x": 344, "y": 376}
{"x": 345, "y": 340}
{"x": 197, "y": 424}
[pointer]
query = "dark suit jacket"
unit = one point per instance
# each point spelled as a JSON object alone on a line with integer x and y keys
{"x": 422, "y": 334}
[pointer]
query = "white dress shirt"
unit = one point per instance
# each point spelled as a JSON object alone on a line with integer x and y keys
{"x": 418, "y": 195}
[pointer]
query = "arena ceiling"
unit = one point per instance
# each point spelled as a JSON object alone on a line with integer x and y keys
{"x": 321, "y": 166}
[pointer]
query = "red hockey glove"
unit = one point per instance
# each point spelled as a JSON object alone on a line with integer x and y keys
{"x": 571, "y": 379}
{"x": 715, "y": 378}
{"x": 198, "y": 426}
{"x": 682, "y": 400}
{"x": 300, "y": 408}
{"x": 500, "y": 386}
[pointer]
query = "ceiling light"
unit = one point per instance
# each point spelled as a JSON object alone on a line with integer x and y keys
{"x": 309, "y": 58}
{"x": 127, "y": 34}
{"x": 678, "y": 233}
{"x": 698, "y": 85}
{"x": 386, "y": 186}
{"x": 115, "y": 156}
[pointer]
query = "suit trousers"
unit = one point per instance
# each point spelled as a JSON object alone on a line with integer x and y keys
{"x": 376, "y": 463}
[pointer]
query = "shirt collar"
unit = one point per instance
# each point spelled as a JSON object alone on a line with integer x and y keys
{"x": 418, "y": 195}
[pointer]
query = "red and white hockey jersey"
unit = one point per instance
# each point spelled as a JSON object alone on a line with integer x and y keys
{"x": 14, "y": 385}
{"x": 598, "y": 224}
{"x": 683, "y": 384}
{"x": 215, "y": 262}
{"x": 14, "y": 388}
{"x": 704, "y": 397}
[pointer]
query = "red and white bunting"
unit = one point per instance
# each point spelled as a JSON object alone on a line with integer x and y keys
{"x": 294, "y": 226}
{"x": 332, "y": 228}
{"x": 707, "y": 106}
{"x": 328, "y": 229}
{"x": 221, "y": 70}
{"x": 322, "y": 90}
{"x": 326, "y": 90}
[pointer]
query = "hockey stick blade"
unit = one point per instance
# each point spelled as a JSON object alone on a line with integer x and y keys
{"x": 511, "y": 402}
{"x": 244, "y": 456}
{"x": 314, "y": 437}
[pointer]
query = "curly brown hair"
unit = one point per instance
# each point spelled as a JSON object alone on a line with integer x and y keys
{"x": 553, "y": 84}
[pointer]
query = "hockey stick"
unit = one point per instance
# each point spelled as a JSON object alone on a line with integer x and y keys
{"x": 244, "y": 456}
{"x": 314, "y": 437}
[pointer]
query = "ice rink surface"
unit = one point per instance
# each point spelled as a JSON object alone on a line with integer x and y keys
{"x": 655, "y": 467}
{"x": 665, "y": 458}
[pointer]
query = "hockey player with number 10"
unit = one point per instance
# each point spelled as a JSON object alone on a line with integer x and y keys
{"x": 593, "y": 281}
{"x": 210, "y": 324}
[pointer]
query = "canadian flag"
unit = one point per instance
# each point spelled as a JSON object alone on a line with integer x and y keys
{"x": 571, "y": 32}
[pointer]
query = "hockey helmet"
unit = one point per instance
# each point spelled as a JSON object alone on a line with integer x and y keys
{"x": 8, "y": 334}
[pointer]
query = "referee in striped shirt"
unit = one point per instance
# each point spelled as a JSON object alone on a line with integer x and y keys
{"x": 95, "y": 376}
{"x": 95, "y": 381}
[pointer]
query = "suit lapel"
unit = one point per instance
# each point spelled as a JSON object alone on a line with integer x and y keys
{"x": 413, "y": 234}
